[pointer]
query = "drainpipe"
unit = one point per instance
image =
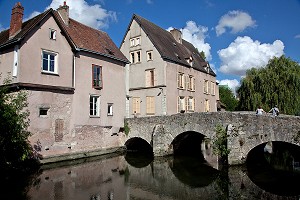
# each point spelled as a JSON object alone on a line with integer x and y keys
{"x": 74, "y": 68}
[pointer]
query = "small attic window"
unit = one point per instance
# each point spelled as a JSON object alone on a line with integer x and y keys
{"x": 174, "y": 44}
{"x": 52, "y": 34}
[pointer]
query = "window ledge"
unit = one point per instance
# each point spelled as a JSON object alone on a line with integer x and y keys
{"x": 50, "y": 73}
{"x": 91, "y": 116}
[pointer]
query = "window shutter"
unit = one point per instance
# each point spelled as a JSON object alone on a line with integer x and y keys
{"x": 178, "y": 104}
{"x": 178, "y": 80}
{"x": 155, "y": 77}
{"x": 194, "y": 84}
{"x": 186, "y": 103}
{"x": 147, "y": 81}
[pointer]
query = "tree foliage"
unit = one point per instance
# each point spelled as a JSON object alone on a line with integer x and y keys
{"x": 14, "y": 121}
{"x": 227, "y": 97}
{"x": 278, "y": 83}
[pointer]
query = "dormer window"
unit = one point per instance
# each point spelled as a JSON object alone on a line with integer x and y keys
{"x": 52, "y": 34}
{"x": 207, "y": 68}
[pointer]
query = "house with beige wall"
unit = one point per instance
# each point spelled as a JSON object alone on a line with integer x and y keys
{"x": 166, "y": 74}
{"x": 74, "y": 76}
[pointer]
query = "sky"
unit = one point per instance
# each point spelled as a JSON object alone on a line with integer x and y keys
{"x": 235, "y": 35}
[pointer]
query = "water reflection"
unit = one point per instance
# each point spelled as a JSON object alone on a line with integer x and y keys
{"x": 273, "y": 167}
{"x": 131, "y": 178}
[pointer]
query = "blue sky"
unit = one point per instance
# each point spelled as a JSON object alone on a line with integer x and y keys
{"x": 234, "y": 34}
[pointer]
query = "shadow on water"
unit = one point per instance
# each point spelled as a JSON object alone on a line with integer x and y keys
{"x": 193, "y": 171}
{"x": 138, "y": 159}
{"x": 277, "y": 170}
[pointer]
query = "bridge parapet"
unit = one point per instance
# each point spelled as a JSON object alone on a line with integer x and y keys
{"x": 245, "y": 130}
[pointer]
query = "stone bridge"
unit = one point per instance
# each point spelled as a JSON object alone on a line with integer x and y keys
{"x": 245, "y": 131}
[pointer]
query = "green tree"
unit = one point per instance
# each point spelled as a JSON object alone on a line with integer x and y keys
{"x": 277, "y": 83}
{"x": 227, "y": 97}
{"x": 14, "y": 145}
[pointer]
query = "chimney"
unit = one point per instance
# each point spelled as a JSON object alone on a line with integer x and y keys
{"x": 16, "y": 19}
{"x": 64, "y": 12}
{"x": 177, "y": 35}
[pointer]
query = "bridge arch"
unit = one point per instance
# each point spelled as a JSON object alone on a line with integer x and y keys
{"x": 245, "y": 130}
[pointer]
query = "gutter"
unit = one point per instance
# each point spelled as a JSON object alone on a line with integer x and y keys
{"x": 103, "y": 54}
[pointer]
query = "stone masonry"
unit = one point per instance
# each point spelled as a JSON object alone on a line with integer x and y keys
{"x": 245, "y": 130}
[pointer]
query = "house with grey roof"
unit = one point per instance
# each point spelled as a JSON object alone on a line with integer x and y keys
{"x": 166, "y": 74}
{"x": 74, "y": 76}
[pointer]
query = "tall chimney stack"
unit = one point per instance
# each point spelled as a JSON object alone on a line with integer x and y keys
{"x": 64, "y": 12}
{"x": 177, "y": 35}
{"x": 16, "y": 19}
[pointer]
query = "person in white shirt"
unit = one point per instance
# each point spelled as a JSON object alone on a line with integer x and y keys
{"x": 260, "y": 111}
{"x": 274, "y": 111}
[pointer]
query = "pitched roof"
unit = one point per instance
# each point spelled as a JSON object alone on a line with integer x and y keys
{"x": 79, "y": 36}
{"x": 169, "y": 48}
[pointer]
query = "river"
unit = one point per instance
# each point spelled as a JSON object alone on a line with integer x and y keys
{"x": 125, "y": 177}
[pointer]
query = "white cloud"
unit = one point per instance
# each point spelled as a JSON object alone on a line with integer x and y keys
{"x": 235, "y": 20}
{"x": 196, "y": 35}
{"x": 297, "y": 36}
{"x": 35, "y": 13}
{"x": 232, "y": 84}
{"x": 244, "y": 53}
{"x": 91, "y": 15}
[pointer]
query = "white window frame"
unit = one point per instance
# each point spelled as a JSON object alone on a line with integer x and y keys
{"x": 213, "y": 88}
{"x": 135, "y": 56}
{"x": 49, "y": 53}
{"x": 191, "y": 104}
{"x": 206, "y": 105}
{"x": 94, "y": 105}
{"x": 136, "y": 41}
{"x": 150, "y": 105}
{"x": 136, "y": 105}
{"x": 149, "y": 55}
{"x": 181, "y": 104}
{"x": 180, "y": 80}
{"x": 52, "y": 34}
{"x": 110, "y": 109}
{"x": 150, "y": 77}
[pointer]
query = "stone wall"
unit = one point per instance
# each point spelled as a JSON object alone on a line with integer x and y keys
{"x": 245, "y": 130}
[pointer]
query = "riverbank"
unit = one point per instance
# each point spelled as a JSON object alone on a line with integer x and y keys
{"x": 80, "y": 154}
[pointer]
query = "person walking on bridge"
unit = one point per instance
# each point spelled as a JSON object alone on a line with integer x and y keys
{"x": 274, "y": 111}
{"x": 260, "y": 111}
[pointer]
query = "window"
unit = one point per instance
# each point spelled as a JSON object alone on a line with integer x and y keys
{"x": 94, "y": 105}
{"x": 150, "y": 101}
{"x": 138, "y": 54}
{"x": 43, "y": 112}
{"x": 135, "y": 57}
{"x": 109, "y": 109}
{"x": 206, "y": 87}
{"x": 52, "y": 34}
{"x": 150, "y": 78}
{"x": 49, "y": 62}
{"x": 190, "y": 83}
{"x": 97, "y": 77}
{"x": 135, "y": 41}
{"x": 132, "y": 42}
{"x": 206, "y": 105}
{"x": 132, "y": 57}
{"x": 180, "y": 80}
{"x": 181, "y": 104}
{"x": 191, "y": 104}
{"x": 136, "y": 105}
{"x": 213, "y": 88}
{"x": 149, "y": 55}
